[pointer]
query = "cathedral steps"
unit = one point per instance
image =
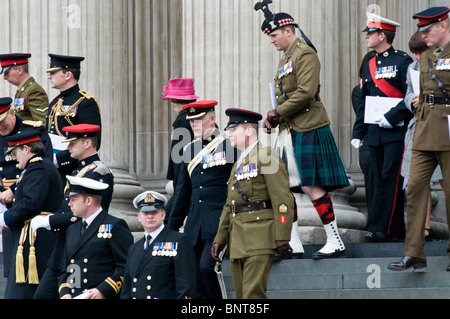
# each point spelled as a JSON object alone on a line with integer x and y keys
{"x": 362, "y": 274}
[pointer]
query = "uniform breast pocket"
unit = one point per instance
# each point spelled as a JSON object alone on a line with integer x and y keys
{"x": 289, "y": 83}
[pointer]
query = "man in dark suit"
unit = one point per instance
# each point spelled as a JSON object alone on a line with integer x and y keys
{"x": 96, "y": 248}
{"x": 385, "y": 76}
{"x": 202, "y": 186}
{"x": 162, "y": 264}
{"x": 39, "y": 191}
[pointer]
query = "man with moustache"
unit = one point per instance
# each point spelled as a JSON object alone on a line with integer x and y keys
{"x": 201, "y": 188}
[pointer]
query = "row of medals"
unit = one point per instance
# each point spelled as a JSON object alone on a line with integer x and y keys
{"x": 443, "y": 64}
{"x": 216, "y": 159}
{"x": 246, "y": 172}
{"x": 387, "y": 72}
{"x": 104, "y": 231}
{"x": 168, "y": 249}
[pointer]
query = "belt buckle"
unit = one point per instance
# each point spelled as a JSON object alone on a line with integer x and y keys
{"x": 431, "y": 100}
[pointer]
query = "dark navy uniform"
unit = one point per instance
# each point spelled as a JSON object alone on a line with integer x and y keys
{"x": 72, "y": 106}
{"x": 182, "y": 136}
{"x": 84, "y": 109}
{"x": 204, "y": 192}
{"x": 203, "y": 188}
{"x": 38, "y": 191}
{"x": 386, "y": 144}
{"x": 164, "y": 276}
{"x": 93, "y": 168}
{"x": 101, "y": 259}
{"x": 10, "y": 173}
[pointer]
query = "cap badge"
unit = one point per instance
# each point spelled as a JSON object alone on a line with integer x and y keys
{"x": 149, "y": 199}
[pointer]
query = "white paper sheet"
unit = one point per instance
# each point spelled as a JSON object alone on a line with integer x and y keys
{"x": 449, "y": 125}
{"x": 415, "y": 80}
{"x": 376, "y": 107}
{"x": 57, "y": 143}
{"x": 272, "y": 96}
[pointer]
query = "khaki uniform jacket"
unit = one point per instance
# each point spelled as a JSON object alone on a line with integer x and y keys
{"x": 432, "y": 131}
{"x": 299, "y": 74}
{"x": 31, "y": 101}
{"x": 255, "y": 233}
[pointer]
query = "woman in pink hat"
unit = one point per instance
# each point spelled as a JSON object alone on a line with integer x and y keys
{"x": 179, "y": 92}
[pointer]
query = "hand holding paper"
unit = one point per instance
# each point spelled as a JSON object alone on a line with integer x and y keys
{"x": 383, "y": 123}
{"x": 377, "y": 107}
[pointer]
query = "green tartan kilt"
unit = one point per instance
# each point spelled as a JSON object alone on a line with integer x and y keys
{"x": 318, "y": 159}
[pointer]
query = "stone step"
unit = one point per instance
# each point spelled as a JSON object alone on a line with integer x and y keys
{"x": 364, "y": 277}
{"x": 350, "y": 274}
{"x": 385, "y": 294}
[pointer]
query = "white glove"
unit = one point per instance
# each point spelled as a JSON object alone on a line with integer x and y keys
{"x": 356, "y": 143}
{"x": 41, "y": 222}
{"x": 383, "y": 123}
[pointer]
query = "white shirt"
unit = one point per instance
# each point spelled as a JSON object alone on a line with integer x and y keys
{"x": 92, "y": 217}
{"x": 154, "y": 234}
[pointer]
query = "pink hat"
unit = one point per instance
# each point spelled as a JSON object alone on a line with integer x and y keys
{"x": 180, "y": 89}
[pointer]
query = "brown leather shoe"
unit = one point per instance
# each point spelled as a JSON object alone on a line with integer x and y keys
{"x": 408, "y": 262}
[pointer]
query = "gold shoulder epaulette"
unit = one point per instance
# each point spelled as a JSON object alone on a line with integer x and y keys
{"x": 33, "y": 123}
{"x": 86, "y": 94}
{"x": 36, "y": 159}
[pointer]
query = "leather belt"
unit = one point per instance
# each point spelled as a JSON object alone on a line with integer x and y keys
{"x": 436, "y": 99}
{"x": 250, "y": 206}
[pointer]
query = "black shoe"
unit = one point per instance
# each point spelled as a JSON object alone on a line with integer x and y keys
{"x": 408, "y": 262}
{"x": 377, "y": 237}
{"x": 336, "y": 254}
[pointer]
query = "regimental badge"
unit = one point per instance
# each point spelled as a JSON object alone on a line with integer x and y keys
{"x": 104, "y": 231}
{"x": 283, "y": 209}
{"x": 247, "y": 172}
{"x": 283, "y": 219}
{"x": 165, "y": 249}
{"x": 443, "y": 65}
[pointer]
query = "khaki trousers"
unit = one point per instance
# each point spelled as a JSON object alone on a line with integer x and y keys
{"x": 250, "y": 276}
{"x": 423, "y": 164}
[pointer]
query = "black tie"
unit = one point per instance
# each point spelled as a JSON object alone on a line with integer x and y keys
{"x": 148, "y": 241}
{"x": 83, "y": 227}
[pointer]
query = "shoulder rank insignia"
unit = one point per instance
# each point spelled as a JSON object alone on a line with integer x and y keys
{"x": 36, "y": 159}
{"x": 33, "y": 123}
{"x": 86, "y": 94}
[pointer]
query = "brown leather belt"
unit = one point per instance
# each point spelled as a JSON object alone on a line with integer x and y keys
{"x": 435, "y": 99}
{"x": 250, "y": 206}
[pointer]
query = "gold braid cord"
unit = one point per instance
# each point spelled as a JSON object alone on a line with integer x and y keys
{"x": 57, "y": 110}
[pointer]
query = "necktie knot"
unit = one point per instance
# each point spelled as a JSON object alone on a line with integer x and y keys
{"x": 83, "y": 227}
{"x": 148, "y": 241}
